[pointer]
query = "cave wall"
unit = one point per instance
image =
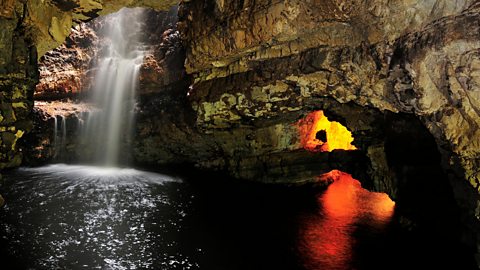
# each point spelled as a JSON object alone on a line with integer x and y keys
{"x": 310, "y": 48}
{"x": 274, "y": 57}
{"x": 18, "y": 76}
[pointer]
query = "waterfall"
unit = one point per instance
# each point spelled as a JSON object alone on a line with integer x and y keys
{"x": 55, "y": 137}
{"x": 113, "y": 92}
{"x": 59, "y": 137}
{"x": 63, "y": 142}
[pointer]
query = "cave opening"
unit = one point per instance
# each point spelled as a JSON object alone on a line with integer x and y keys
{"x": 318, "y": 134}
{"x": 404, "y": 162}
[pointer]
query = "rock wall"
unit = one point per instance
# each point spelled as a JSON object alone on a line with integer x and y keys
{"x": 18, "y": 76}
{"x": 403, "y": 57}
{"x": 65, "y": 72}
{"x": 49, "y": 23}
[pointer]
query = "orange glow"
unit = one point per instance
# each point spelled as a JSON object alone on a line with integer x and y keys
{"x": 326, "y": 240}
{"x": 337, "y": 136}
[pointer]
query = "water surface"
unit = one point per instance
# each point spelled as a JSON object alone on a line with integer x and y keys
{"x": 80, "y": 217}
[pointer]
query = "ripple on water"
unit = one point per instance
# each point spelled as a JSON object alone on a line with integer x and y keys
{"x": 98, "y": 218}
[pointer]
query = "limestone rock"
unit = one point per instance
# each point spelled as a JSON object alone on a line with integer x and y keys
{"x": 259, "y": 66}
{"x": 228, "y": 37}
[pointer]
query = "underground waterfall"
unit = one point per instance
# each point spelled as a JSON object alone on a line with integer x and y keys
{"x": 114, "y": 85}
{"x": 138, "y": 160}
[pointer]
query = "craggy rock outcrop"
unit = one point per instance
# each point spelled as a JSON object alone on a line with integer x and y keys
{"x": 163, "y": 63}
{"x": 268, "y": 150}
{"x": 350, "y": 51}
{"x": 64, "y": 71}
{"x": 18, "y": 76}
{"x": 57, "y": 127}
{"x": 225, "y": 37}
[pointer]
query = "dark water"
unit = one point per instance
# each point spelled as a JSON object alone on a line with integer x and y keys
{"x": 76, "y": 217}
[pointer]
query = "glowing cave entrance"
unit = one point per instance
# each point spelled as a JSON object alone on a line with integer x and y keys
{"x": 318, "y": 134}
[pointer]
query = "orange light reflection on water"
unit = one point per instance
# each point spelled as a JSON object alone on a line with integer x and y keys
{"x": 337, "y": 136}
{"x": 326, "y": 240}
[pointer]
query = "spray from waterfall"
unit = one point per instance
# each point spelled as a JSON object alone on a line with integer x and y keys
{"x": 108, "y": 127}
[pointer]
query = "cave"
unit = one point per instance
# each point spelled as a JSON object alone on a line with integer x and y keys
{"x": 210, "y": 134}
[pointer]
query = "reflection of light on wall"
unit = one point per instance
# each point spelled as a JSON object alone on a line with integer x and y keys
{"x": 327, "y": 237}
{"x": 337, "y": 136}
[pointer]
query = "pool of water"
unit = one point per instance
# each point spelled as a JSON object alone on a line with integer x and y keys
{"x": 80, "y": 217}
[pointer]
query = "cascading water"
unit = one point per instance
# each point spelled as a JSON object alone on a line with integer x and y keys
{"x": 55, "y": 136}
{"x": 59, "y": 137}
{"x": 63, "y": 141}
{"x": 113, "y": 91}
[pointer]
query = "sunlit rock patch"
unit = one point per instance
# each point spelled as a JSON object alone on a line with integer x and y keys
{"x": 318, "y": 134}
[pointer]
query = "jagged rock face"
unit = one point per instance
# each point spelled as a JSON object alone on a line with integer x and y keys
{"x": 64, "y": 71}
{"x": 163, "y": 63}
{"x": 268, "y": 150}
{"x": 232, "y": 34}
{"x": 288, "y": 56}
{"x": 18, "y": 76}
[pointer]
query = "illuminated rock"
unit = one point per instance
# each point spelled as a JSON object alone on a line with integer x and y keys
{"x": 334, "y": 135}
